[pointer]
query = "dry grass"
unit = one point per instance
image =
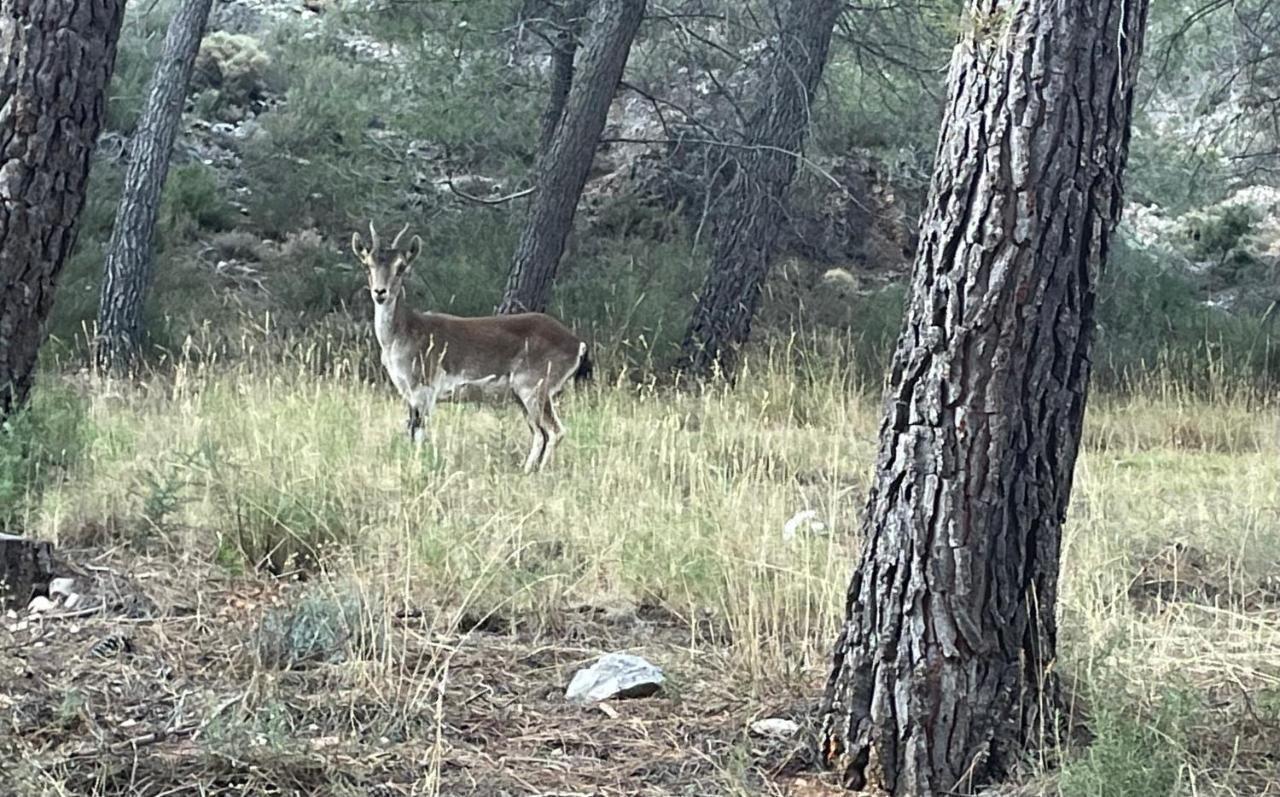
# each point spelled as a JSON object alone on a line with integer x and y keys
{"x": 658, "y": 530}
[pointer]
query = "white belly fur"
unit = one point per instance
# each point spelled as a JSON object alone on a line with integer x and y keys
{"x": 399, "y": 363}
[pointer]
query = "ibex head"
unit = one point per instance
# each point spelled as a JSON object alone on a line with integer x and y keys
{"x": 387, "y": 267}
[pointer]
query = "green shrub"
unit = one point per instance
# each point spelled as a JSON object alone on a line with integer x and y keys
{"x": 141, "y": 38}
{"x": 1215, "y": 236}
{"x": 45, "y": 439}
{"x": 307, "y": 275}
{"x": 636, "y": 291}
{"x": 313, "y": 164}
{"x": 325, "y": 626}
{"x": 1132, "y": 755}
{"x": 192, "y": 202}
{"x": 286, "y": 523}
{"x": 1152, "y": 319}
{"x": 230, "y": 72}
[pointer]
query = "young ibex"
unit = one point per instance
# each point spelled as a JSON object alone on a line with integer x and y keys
{"x": 429, "y": 356}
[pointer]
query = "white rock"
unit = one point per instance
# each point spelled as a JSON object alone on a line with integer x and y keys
{"x": 61, "y": 586}
{"x": 775, "y": 727}
{"x": 805, "y": 520}
{"x": 39, "y": 604}
{"x": 614, "y": 675}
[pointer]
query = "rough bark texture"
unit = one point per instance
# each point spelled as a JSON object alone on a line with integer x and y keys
{"x": 749, "y": 213}
{"x": 943, "y": 671}
{"x": 25, "y": 569}
{"x": 130, "y": 257}
{"x": 563, "y": 166}
{"x": 567, "y": 22}
{"x": 56, "y": 57}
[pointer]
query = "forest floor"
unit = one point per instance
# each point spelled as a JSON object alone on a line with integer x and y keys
{"x": 429, "y": 652}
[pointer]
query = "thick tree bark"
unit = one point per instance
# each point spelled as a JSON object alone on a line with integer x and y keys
{"x": 943, "y": 671}
{"x": 130, "y": 257}
{"x": 56, "y": 57}
{"x": 563, "y": 166}
{"x": 749, "y": 213}
{"x": 25, "y": 569}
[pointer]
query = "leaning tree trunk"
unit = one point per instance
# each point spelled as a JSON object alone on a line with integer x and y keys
{"x": 563, "y": 166}
{"x": 943, "y": 671}
{"x": 748, "y": 214}
{"x": 56, "y": 57}
{"x": 130, "y": 258}
{"x": 567, "y": 23}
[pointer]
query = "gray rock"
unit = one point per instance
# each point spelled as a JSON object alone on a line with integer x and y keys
{"x": 614, "y": 675}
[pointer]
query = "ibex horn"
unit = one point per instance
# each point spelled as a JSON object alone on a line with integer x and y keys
{"x": 395, "y": 241}
{"x": 373, "y": 238}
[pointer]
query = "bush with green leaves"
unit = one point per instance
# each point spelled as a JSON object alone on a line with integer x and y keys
{"x": 43, "y": 440}
{"x": 1151, "y": 318}
{"x": 1133, "y": 753}
{"x": 326, "y": 625}
{"x": 231, "y": 71}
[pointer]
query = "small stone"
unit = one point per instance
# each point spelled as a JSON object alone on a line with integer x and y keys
{"x": 805, "y": 520}
{"x": 40, "y": 604}
{"x": 61, "y": 586}
{"x": 614, "y": 675}
{"x": 775, "y": 727}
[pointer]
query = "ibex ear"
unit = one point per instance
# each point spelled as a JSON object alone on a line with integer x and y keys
{"x": 357, "y": 246}
{"x": 415, "y": 249}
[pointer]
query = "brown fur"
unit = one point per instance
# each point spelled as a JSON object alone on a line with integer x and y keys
{"x": 431, "y": 356}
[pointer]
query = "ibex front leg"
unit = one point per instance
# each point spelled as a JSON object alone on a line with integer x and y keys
{"x": 421, "y": 403}
{"x": 414, "y": 424}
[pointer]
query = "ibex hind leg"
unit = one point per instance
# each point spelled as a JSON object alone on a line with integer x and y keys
{"x": 532, "y": 404}
{"x": 550, "y": 418}
{"x": 554, "y": 430}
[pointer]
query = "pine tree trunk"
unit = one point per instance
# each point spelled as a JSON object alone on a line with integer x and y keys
{"x": 568, "y": 20}
{"x": 26, "y": 566}
{"x": 943, "y": 671}
{"x": 130, "y": 255}
{"x": 563, "y": 166}
{"x": 748, "y": 214}
{"x": 56, "y": 58}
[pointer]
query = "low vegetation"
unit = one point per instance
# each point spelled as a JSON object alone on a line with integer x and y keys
{"x": 432, "y": 604}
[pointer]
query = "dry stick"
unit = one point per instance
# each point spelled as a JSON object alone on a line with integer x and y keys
{"x": 800, "y": 156}
{"x": 481, "y": 200}
{"x": 190, "y": 729}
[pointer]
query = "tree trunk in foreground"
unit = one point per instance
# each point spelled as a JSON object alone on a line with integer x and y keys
{"x": 943, "y": 671}
{"x": 56, "y": 58}
{"x": 563, "y": 166}
{"x": 130, "y": 256}
{"x": 749, "y": 213}
{"x": 25, "y": 569}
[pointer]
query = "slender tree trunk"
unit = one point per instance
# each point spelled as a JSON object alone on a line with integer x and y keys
{"x": 943, "y": 671}
{"x": 750, "y": 211}
{"x": 563, "y": 166}
{"x": 567, "y": 19}
{"x": 130, "y": 256}
{"x": 56, "y": 58}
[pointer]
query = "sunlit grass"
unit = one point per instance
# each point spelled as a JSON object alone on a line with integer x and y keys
{"x": 676, "y": 499}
